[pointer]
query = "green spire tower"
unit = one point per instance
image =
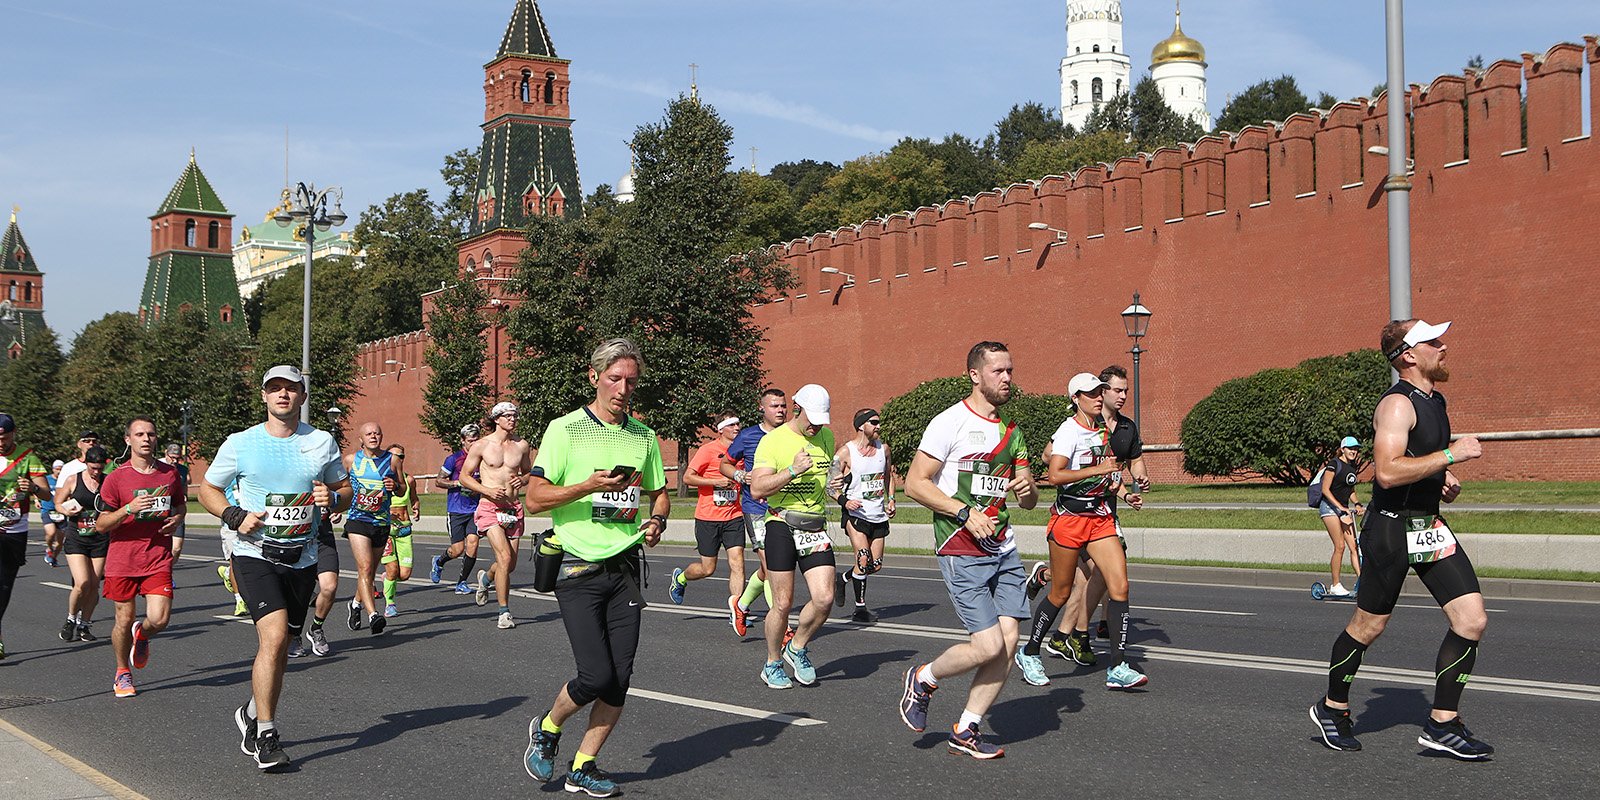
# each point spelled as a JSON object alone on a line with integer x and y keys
{"x": 191, "y": 254}
{"x": 21, "y": 290}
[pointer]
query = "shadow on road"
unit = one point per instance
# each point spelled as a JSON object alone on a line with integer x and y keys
{"x": 403, "y": 722}
{"x": 1026, "y": 717}
{"x": 1391, "y": 706}
{"x": 700, "y": 749}
{"x": 861, "y": 666}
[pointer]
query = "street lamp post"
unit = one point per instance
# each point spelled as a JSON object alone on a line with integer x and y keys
{"x": 1397, "y": 187}
{"x": 309, "y": 207}
{"x": 849, "y": 281}
{"x": 1136, "y": 321}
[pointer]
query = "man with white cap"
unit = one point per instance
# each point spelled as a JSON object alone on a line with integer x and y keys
{"x": 1412, "y": 455}
{"x": 791, "y": 474}
{"x": 460, "y": 506}
{"x": 496, "y": 469}
{"x": 718, "y": 521}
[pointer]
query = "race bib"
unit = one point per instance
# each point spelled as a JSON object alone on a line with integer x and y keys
{"x": 724, "y": 497}
{"x": 620, "y": 506}
{"x": 988, "y": 485}
{"x": 162, "y": 504}
{"x": 288, "y": 516}
{"x": 872, "y": 488}
{"x": 1428, "y": 539}
{"x": 808, "y": 542}
{"x": 9, "y": 515}
{"x": 369, "y": 500}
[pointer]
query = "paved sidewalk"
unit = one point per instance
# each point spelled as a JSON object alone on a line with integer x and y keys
{"x": 33, "y": 770}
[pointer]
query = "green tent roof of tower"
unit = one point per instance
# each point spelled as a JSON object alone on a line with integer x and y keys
{"x": 174, "y": 279}
{"x": 192, "y": 193}
{"x": 526, "y": 34}
{"x": 518, "y": 160}
{"x": 15, "y": 255}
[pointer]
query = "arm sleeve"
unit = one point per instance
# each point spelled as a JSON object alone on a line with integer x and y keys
{"x": 653, "y": 476}
{"x": 224, "y": 469}
{"x": 552, "y": 460}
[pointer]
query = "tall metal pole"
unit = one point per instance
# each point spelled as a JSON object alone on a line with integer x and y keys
{"x": 305, "y": 318}
{"x": 1397, "y": 188}
{"x": 1137, "y": 384}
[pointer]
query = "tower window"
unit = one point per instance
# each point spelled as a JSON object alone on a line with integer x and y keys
{"x": 213, "y": 232}
{"x": 27, "y": 292}
{"x": 11, "y": 294}
{"x": 188, "y": 233}
{"x": 1096, "y": 90}
{"x": 549, "y": 88}
{"x": 472, "y": 267}
{"x": 1074, "y": 92}
{"x": 1097, "y": 48}
{"x": 525, "y": 90}
{"x": 225, "y": 314}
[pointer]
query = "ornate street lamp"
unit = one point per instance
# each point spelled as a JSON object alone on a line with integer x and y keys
{"x": 1136, "y": 320}
{"x": 309, "y": 208}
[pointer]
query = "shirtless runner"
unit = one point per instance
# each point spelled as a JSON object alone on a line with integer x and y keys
{"x": 496, "y": 469}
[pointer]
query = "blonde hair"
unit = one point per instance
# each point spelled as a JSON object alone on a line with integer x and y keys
{"x": 611, "y": 351}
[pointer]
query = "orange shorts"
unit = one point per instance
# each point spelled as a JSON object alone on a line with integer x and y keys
{"x": 123, "y": 588}
{"x": 1072, "y": 531}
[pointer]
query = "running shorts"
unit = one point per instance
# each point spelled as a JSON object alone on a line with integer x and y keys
{"x": 1384, "y": 565}
{"x": 267, "y": 587}
{"x": 755, "y": 526}
{"x": 782, "y": 556}
{"x": 327, "y": 551}
{"x": 1073, "y": 532}
{"x": 74, "y": 544}
{"x": 399, "y": 549}
{"x": 986, "y": 588}
{"x": 461, "y": 526}
{"x": 123, "y": 588}
{"x": 377, "y": 534}
{"x": 509, "y": 518}
{"x": 872, "y": 530}
{"x": 713, "y": 535}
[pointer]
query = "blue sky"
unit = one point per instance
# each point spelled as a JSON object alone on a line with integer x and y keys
{"x": 104, "y": 99}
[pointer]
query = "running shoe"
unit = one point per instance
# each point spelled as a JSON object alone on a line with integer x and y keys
{"x": 591, "y": 781}
{"x": 239, "y": 608}
{"x": 736, "y": 618}
{"x": 506, "y": 621}
{"x": 84, "y": 634}
{"x": 1033, "y": 669}
{"x": 269, "y": 752}
{"x": 463, "y": 588}
{"x": 480, "y": 593}
{"x": 122, "y": 686}
{"x": 354, "y": 618}
{"x": 774, "y": 677}
{"x": 376, "y": 623}
{"x": 838, "y": 589}
{"x": 1073, "y": 648}
{"x": 674, "y": 588}
{"x": 247, "y": 730}
{"x": 436, "y": 571}
{"x": 319, "y": 642}
{"x": 50, "y": 557}
{"x": 1338, "y": 590}
{"x": 1453, "y": 737}
{"x": 1334, "y": 726}
{"x": 914, "y": 701}
{"x": 139, "y": 653}
{"x": 970, "y": 742}
{"x": 69, "y": 630}
{"x": 297, "y": 647}
{"x": 800, "y": 661}
{"x": 391, "y": 610}
{"x": 1123, "y": 676}
{"x": 227, "y": 578}
{"x": 1036, "y": 579}
{"x": 863, "y": 616}
{"x": 540, "y": 757}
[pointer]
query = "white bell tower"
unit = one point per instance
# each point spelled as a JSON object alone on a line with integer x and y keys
{"x": 1097, "y": 67}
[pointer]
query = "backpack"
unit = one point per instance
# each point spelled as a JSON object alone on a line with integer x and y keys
{"x": 1314, "y": 491}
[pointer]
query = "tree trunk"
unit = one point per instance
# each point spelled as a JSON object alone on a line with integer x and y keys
{"x": 683, "y": 466}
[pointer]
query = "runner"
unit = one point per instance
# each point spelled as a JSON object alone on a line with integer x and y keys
{"x": 1338, "y": 509}
{"x": 1412, "y": 455}
{"x": 86, "y": 440}
{"x": 742, "y": 459}
{"x": 373, "y": 479}
{"x": 49, "y": 517}
{"x": 971, "y": 457}
{"x": 496, "y": 469}
{"x": 21, "y": 480}
{"x": 225, "y": 570}
{"x": 718, "y": 522}
{"x": 593, "y": 466}
{"x": 286, "y": 471}
{"x": 84, "y": 545}
{"x": 868, "y": 504}
{"x": 142, "y": 503}
{"x": 404, "y": 509}
{"x": 315, "y": 639}
{"x": 791, "y": 474}
{"x": 460, "y": 506}
{"x": 173, "y": 457}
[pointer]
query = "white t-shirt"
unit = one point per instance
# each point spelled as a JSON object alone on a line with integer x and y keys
{"x": 70, "y": 469}
{"x": 1084, "y": 447}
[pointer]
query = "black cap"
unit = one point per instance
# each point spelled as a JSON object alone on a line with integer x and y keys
{"x": 94, "y": 455}
{"x": 89, "y": 435}
{"x": 7, "y": 424}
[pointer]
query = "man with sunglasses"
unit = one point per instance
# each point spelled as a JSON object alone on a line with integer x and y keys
{"x": 868, "y": 500}
{"x": 1412, "y": 456}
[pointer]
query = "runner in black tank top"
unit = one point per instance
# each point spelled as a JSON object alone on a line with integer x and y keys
{"x": 1412, "y": 454}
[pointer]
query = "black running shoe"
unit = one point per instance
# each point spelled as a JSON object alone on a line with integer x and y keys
{"x": 1102, "y": 631}
{"x": 376, "y": 623}
{"x": 1334, "y": 726}
{"x": 247, "y": 730}
{"x": 1453, "y": 737}
{"x": 355, "y": 615}
{"x": 69, "y": 631}
{"x": 269, "y": 752}
{"x": 863, "y": 616}
{"x": 84, "y": 634}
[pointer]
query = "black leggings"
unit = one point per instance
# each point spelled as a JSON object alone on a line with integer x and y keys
{"x": 13, "y": 554}
{"x": 601, "y": 613}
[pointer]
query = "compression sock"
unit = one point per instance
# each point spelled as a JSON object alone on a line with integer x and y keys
{"x": 1043, "y": 621}
{"x": 388, "y": 590}
{"x": 751, "y": 589}
{"x": 580, "y": 760}
{"x": 1118, "y": 628}
{"x": 1456, "y": 657}
{"x": 766, "y": 592}
{"x": 859, "y": 583}
{"x": 1342, "y": 666}
{"x": 467, "y": 563}
{"x": 445, "y": 559}
{"x": 548, "y": 726}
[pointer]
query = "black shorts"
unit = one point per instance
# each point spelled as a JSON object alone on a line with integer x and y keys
{"x": 91, "y": 546}
{"x": 267, "y": 587}
{"x": 378, "y": 534}
{"x": 782, "y": 556}
{"x": 461, "y": 526}
{"x": 711, "y": 535}
{"x": 1384, "y": 565}
{"x": 327, "y": 551}
{"x": 872, "y": 530}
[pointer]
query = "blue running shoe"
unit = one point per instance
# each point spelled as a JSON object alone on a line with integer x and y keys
{"x": 774, "y": 677}
{"x": 914, "y": 701}
{"x": 675, "y": 588}
{"x": 1123, "y": 676}
{"x": 800, "y": 660}
{"x": 463, "y": 588}
{"x": 391, "y": 610}
{"x": 437, "y": 570}
{"x": 540, "y": 757}
{"x": 970, "y": 743}
{"x": 1033, "y": 670}
{"x": 1453, "y": 737}
{"x": 591, "y": 781}
{"x": 1334, "y": 727}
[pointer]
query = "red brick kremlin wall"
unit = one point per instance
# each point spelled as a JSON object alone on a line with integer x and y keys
{"x": 1254, "y": 250}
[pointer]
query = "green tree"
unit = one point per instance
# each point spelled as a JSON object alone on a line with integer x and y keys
{"x": 1025, "y": 124}
{"x": 1115, "y": 114}
{"x": 906, "y": 416}
{"x": 767, "y": 213}
{"x": 225, "y": 398}
{"x": 410, "y": 247}
{"x": 98, "y": 391}
{"x": 969, "y": 166}
{"x": 456, "y": 393}
{"x": 804, "y": 178}
{"x": 31, "y": 386}
{"x": 334, "y": 342}
{"x": 1271, "y": 100}
{"x": 1039, "y": 159}
{"x": 875, "y": 185}
{"x": 184, "y": 359}
{"x": 460, "y": 173}
{"x": 1155, "y": 125}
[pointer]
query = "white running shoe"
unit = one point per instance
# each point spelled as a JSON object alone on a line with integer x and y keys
{"x": 1338, "y": 590}
{"x": 506, "y": 621}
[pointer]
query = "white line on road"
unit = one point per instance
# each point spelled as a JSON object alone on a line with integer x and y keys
{"x": 231, "y": 618}
{"x": 742, "y": 711}
{"x": 56, "y": 585}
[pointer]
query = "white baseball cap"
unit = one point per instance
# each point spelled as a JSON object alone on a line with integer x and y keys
{"x": 813, "y": 399}
{"x": 285, "y": 372}
{"x": 501, "y": 409}
{"x": 1084, "y": 382}
{"x": 1419, "y": 333}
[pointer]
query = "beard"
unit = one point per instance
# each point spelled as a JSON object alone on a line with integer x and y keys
{"x": 1438, "y": 373}
{"x": 997, "y": 396}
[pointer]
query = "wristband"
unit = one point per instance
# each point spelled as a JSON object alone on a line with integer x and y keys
{"x": 660, "y": 520}
{"x": 234, "y": 516}
{"x": 792, "y": 473}
{"x": 1449, "y": 458}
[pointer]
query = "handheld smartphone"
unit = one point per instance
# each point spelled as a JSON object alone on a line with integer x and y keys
{"x": 622, "y": 471}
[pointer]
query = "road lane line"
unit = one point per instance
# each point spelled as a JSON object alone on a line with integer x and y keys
{"x": 1195, "y": 611}
{"x": 726, "y": 708}
{"x": 56, "y": 585}
{"x": 231, "y": 618}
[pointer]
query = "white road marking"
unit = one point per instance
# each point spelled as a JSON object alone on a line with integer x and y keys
{"x": 1195, "y": 611}
{"x": 232, "y": 618}
{"x": 68, "y": 587}
{"x": 726, "y": 708}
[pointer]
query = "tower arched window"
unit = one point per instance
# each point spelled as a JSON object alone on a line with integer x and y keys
{"x": 549, "y": 88}
{"x": 11, "y": 294}
{"x": 225, "y": 314}
{"x": 1097, "y": 48}
{"x": 213, "y": 233}
{"x": 27, "y": 292}
{"x": 1119, "y": 86}
{"x": 1097, "y": 90}
{"x": 525, "y": 89}
{"x": 1074, "y": 92}
{"x": 488, "y": 263}
{"x": 472, "y": 267}
{"x": 188, "y": 233}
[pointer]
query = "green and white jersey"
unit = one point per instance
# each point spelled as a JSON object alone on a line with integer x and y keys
{"x": 598, "y": 526}
{"x": 979, "y": 456}
{"x": 1084, "y": 447}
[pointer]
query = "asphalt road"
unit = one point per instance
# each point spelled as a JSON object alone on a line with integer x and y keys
{"x": 438, "y": 705}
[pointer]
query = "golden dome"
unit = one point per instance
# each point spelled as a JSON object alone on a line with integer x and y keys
{"x": 1177, "y": 47}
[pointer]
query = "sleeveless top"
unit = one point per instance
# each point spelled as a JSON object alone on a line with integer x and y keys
{"x": 370, "y": 502}
{"x": 90, "y": 500}
{"x": 868, "y": 482}
{"x": 1431, "y": 434}
{"x": 400, "y": 506}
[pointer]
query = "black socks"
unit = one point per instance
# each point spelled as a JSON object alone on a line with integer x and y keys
{"x": 467, "y": 563}
{"x": 1043, "y": 621}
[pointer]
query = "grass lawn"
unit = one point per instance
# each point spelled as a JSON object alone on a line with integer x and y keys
{"x": 1538, "y": 493}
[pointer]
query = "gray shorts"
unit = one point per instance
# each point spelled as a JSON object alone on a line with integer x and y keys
{"x": 986, "y": 588}
{"x": 755, "y": 526}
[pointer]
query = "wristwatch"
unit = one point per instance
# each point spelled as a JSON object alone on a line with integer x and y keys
{"x": 963, "y": 514}
{"x": 660, "y": 520}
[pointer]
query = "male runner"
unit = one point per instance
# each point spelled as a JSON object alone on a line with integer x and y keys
{"x": 868, "y": 504}
{"x": 1412, "y": 454}
{"x": 460, "y": 506}
{"x": 287, "y": 471}
{"x": 49, "y": 517}
{"x": 225, "y": 569}
{"x": 142, "y": 504}
{"x": 742, "y": 459}
{"x": 21, "y": 481}
{"x": 496, "y": 469}
{"x": 718, "y": 523}
{"x": 373, "y": 478}
{"x": 404, "y": 510}
{"x": 86, "y": 440}
{"x": 315, "y": 639}
{"x": 791, "y": 474}
{"x": 173, "y": 457}
{"x": 971, "y": 457}
{"x": 84, "y": 545}
{"x": 593, "y": 466}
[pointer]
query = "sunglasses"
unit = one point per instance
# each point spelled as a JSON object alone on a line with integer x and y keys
{"x": 874, "y": 422}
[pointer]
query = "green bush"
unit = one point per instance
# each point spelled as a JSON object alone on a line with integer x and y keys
{"x": 905, "y": 417}
{"x": 1284, "y": 424}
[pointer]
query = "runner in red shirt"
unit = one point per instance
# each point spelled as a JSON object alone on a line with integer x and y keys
{"x": 718, "y": 522}
{"x": 142, "y": 502}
